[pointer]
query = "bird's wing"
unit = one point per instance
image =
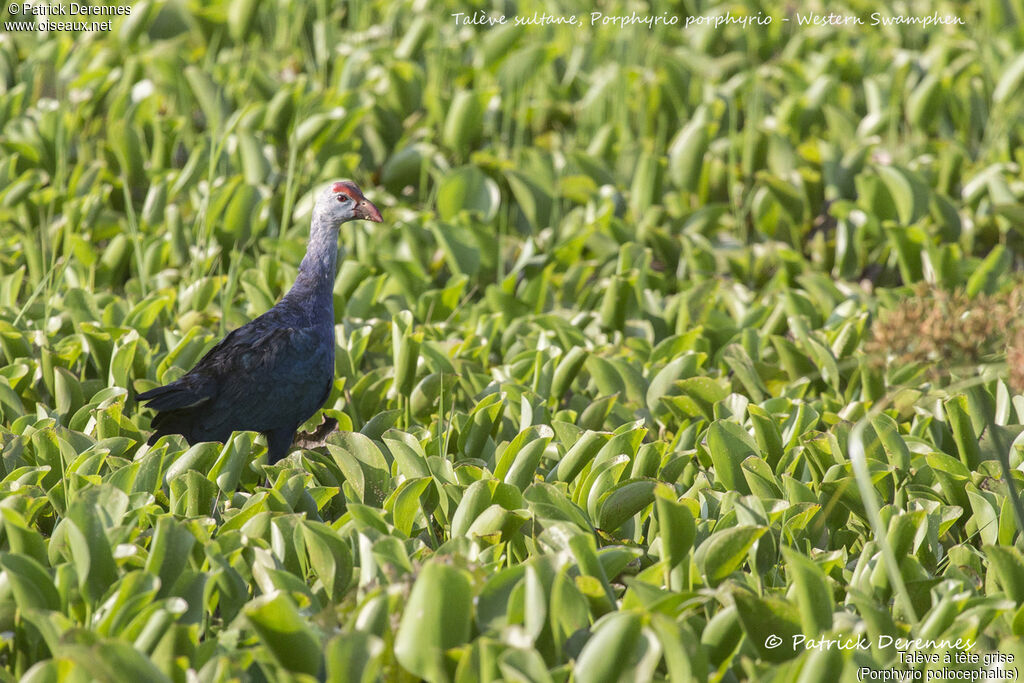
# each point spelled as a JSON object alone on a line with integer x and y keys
{"x": 200, "y": 384}
{"x": 256, "y": 372}
{"x": 270, "y": 381}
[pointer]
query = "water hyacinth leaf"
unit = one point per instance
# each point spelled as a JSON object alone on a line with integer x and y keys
{"x": 724, "y": 552}
{"x": 21, "y": 538}
{"x": 92, "y": 553}
{"x": 284, "y": 633}
{"x": 408, "y": 454}
{"x": 989, "y": 273}
{"x": 814, "y": 597}
{"x": 436, "y": 618}
{"x": 427, "y": 395}
{"x": 743, "y": 366}
{"x": 647, "y": 182}
{"x": 697, "y": 396}
{"x": 227, "y": 470}
{"x": 618, "y": 297}
{"x": 585, "y": 448}
{"x": 169, "y": 552}
{"x": 895, "y": 446}
{"x": 623, "y": 501}
{"x": 363, "y": 465}
{"x": 241, "y": 15}
{"x": 199, "y": 457}
{"x": 518, "y": 463}
{"x": 405, "y": 167}
{"x": 907, "y": 191}
{"x": 547, "y": 502}
{"x": 925, "y": 101}
{"x": 30, "y": 583}
{"x": 683, "y": 656}
{"x": 329, "y": 557}
{"x": 584, "y": 550}
{"x": 483, "y": 423}
{"x": 407, "y": 503}
{"x": 192, "y": 494}
{"x": 676, "y": 527}
{"x": 963, "y": 432}
{"x": 729, "y": 445}
{"x": 523, "y": 664}
{"x": 766, "y": 434}
{"x": 468, "y": 189}
{"x": 664, "y": 381}
{"x": 464, "y": 124}
{"x": 208, "y": 95}
{"x": 532, "y": 197}
{"x": 406, "y": 348}
{"x": 619, "y": 632}
{"x": 765, "y": 617}
{"x": 759, "y": 477}
{"x": 566, "y": 371}
{"x": 353, "y": 657}
{"x": 1010, "y": 81}
{"x": 240, "y": 215}
{"x": 686, "y": 153}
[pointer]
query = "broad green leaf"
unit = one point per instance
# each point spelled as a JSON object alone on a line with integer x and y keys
{"x": 729, "y": 445}
{"x": 813, "y": 594}
{"x": 284, "y": 633}
{"x": 436, "y": 617}
{"x": 724, "y": 551}
{"x": 620, "y": 633}
{"x": 468, "y": 189}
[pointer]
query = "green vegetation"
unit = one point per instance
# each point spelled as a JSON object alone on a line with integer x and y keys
{"x": 626, "y": 383}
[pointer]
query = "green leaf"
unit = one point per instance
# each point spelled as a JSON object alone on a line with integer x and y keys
{"x": 766, "y": 617}
{"x": 21, "y": 538}
{"x": 468, "y": 189}
{"x": 618, "y": 633}
{"x": 31, "y": 584}
{"x": 169, "y": 551}
{"x": 329, "y": 557}
{"x": 1008, "y": 566}
{"x": 436, "y": 618}
{"x": 729, "y": 445}
{"x": 354, "y": 656}
{"x": 518, "y": 463}
{"x": 813, "y": 595}
{"x": 284, "y": 633}
{"x": 990, "y": 272}
{"x": 677, "y": 530}
{"x": 407, "y": 503}
{"x": 463, "y": 126}
{"x": 91, "y": 553}
{"x": 963, "y": 432}
{"x": 1010, "y": 81}
{"x": 724, "y": 551}
{"x": 623, "y": 501}
{"x": 227, "y": 470}
{"x": 363, "y": 465}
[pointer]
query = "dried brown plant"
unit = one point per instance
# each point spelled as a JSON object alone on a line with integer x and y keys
{"x": 947, "y": 330}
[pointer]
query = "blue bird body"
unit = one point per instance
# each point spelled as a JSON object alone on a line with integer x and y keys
{"x": 275, "y": 372}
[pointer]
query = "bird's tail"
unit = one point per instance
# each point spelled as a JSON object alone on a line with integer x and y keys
{"x": 174, "y": 403}
{"x": 171, "y": 422}
{"x": 173, "y": 396}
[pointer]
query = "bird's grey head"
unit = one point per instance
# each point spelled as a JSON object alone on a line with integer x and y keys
{"x": 343, "y": 201}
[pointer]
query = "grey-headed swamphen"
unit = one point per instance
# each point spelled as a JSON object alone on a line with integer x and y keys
{"x": 274, "y": 373}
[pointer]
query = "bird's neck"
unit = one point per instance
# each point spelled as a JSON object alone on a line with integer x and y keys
{"x": 315, "y": 282}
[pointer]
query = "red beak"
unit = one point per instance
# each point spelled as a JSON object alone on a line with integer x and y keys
{"x": 366, "y": 209}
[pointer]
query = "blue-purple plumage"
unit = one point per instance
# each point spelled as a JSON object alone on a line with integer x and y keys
{"x": 274, "y": 373}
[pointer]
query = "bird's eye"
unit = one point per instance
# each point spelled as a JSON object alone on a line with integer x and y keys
{"x": 344, "y": 198}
